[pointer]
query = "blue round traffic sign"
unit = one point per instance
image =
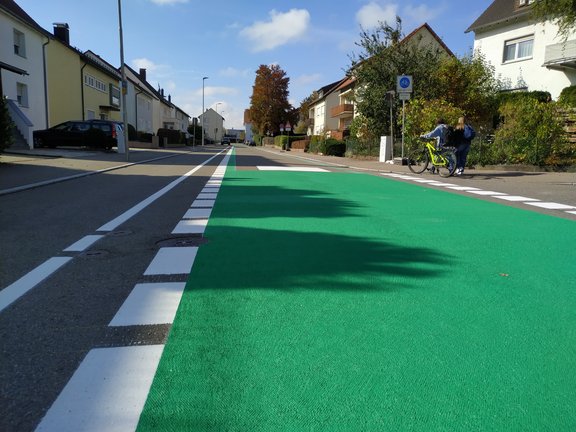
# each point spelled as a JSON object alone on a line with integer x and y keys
{"x": 404, "y": 82}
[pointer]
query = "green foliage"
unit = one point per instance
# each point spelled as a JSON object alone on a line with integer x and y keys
{"x": 540, "y": 96}
{"x": 568, "y": 96}
{"x": 560, "y": 12}
{"x": 326, "y": 146}
{"x": 132, "y": 134}
{"x": 174, "y": 136}
{"x": 6, "y": 125}
{"x": 531, "y": 133}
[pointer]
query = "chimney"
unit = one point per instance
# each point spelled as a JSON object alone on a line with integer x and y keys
{"x": 62, "y": 32}
{"x": 143, "y": 74}
{"x": 169, "y": 99}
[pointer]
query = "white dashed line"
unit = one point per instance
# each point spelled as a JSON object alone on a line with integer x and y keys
{"x": 199, "y": 213}
{"x": 150, "y": 304}
{"x": 203, "y": 203}
{"x": 83, "y": 244}
{"x": 207, "y": 195}
{"x": 551, "y": 205}
{"x": 288, "y": 168}
{"x": 172, "y": 260}
{"x": 190, "y": 226}
{"x": 106, "y": 393}
{"x": 16, "y": 290}
{"x": 515, "y": 198}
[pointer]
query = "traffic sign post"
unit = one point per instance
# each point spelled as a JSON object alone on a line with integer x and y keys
{"x": 404, "y": 89}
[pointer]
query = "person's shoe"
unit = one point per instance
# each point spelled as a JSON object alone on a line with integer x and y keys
{"x": 432, "y": 170}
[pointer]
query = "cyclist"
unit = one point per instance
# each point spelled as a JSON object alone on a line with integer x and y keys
{"x": 439, "y": 133}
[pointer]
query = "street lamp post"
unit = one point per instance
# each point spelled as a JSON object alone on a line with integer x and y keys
{"x": 124, "y": 88}
{"x": 203, "y": 79}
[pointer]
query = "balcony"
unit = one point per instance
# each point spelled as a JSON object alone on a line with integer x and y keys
{"x": 561, "y": 55}
{"x": 344, "y": 110}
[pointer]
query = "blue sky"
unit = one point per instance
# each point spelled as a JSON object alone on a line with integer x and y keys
{"x": 181, "y": 41}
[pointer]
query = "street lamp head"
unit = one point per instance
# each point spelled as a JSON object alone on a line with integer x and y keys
{"x": 204, "y": 78}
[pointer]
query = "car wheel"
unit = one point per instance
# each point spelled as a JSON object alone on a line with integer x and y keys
{"x": 38, "y": 142}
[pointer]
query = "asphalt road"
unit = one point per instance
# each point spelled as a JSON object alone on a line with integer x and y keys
{"x": 49, "y": 204}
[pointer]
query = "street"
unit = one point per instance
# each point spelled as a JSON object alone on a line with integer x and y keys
{"x": 74, "y": 251}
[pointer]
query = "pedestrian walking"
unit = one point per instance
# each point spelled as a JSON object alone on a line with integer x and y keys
{"x": 464, "y": 133}
{"x": 440, "y": 132}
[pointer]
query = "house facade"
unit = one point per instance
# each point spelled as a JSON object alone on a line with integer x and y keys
{"x": 526, "y": 55}
{"x": 22, "y": 53}
{"x": 140, "y": 101}
{"x": 213, "y": 124}
{"x": 332, "y": 112}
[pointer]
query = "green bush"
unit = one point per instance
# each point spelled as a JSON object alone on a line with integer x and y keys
{"x": 531, "y": 132}
{"x": 568, "y": 96}
{"x": 144, "y": 137}
{"x": 174, "y": 136}
{"x": 6, "y": 125}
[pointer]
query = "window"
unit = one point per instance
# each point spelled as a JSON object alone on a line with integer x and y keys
{"x": 22, "y": 94}
{"x": 19, "y": 43}
{"x": 90, "y": 81}
{"x": 518, "y": 49}
{"x": 114, "y": 95}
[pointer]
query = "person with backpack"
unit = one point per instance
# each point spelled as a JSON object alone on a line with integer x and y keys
{"x": 440, "y": 132}
{"x": 464, "y": 133}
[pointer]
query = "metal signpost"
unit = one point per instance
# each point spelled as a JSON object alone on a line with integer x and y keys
{"x": 404, "y": 89}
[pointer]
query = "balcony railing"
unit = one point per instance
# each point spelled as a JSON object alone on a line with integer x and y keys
{"x": 561, "y": 55}
{"x": 344, "y": 110}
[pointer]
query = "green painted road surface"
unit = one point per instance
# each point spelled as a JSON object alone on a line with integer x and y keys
{"x": 353, "y": 302}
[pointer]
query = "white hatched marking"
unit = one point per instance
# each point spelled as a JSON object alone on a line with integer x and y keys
{"x": 16, "y": 290}
{"x": 190, "y": 226}
{"x": 295, "y": 169}
{"x": 425, "y": 181}
{"x": 440, "y": 184}
{"x": 172, "y": 260}
{"x": 83, "y": 244}
{"x": 551, "y": 205}
{"x": 198, "y": 213}
{"x": 571, "y": 212}
{"x": 515, "y": 198}
{"x": 150, "y": 304}
{"x": 203, "y": 203}
{"x": 106, "y": 393}
{"x": 207, "y": 195}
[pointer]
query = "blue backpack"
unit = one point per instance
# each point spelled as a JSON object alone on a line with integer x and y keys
{"x": 469, "y": 132}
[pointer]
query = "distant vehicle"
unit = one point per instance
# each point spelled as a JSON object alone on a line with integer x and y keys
{"x": 225, "y": 141}
{"x": 90, "y": 133}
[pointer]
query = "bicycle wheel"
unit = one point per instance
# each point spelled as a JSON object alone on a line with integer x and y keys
{"x": 448, "y": 165}
{"x": 418, "y": 160}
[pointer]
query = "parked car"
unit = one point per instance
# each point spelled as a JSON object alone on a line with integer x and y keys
{"x": 225, "y": 141}
{"x": 90, "y": 133}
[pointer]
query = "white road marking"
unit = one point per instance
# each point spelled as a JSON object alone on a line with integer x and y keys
{"x": 83, "y": 244}
{"x": 286, "y": 168}
{"x": 484, "y": 192}
{"x": 149, "y": 304}
{"x": 207, "y": 195}
{"x": 515, "y": 198}
{"x": 172, "y": 260}
{"x": 190, "y": 226}
{"x": 464, "y": 188}
{"x": 200, "y": 213}
{"x": 106, "y": 393}
{"x": 16, "y": 290}
{"x": 551, "y": 205}
{"x": 203, "y": 203}
{"x": 113, "y": 224}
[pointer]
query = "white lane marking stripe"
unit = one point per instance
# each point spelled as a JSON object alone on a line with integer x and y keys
{"x": 207, "y": 195}
{"x": 83, "y": 244}
{"x": 113, "y": 224}
{"x": 149, "y": 304}
{"x": 203, "y": 203}
{"x": 16, "y": 290}
{"x": 551, "y": 205}
{"x": 515, "y": 198}
{"x": 191, "y": 226}
{"x": 106, "y": 393}
{"x": 286, "y": 168}
{"x": 200, "y": 213}
{"x": 172, "y": 260}
{"x": 464, "y": 188}
{"x": 571, "y": 212}
{"x": 484, "y": 192}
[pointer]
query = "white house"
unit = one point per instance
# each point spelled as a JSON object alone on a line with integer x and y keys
{"x": 525, "y": 54}
{"x": 213, "y": 125}
{"x": 140, "y": 99}
{"x": 319, "y": 111}
{"x": 22, "y": 72}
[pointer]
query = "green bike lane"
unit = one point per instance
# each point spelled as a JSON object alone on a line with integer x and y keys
{"x": 352, "y": 302}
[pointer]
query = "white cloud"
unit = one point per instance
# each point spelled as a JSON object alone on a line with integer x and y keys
{"x": 232, "y": 72}
{"x": 282, "y": 28}
{"x": 420, "y": 14}
{"x": 308, "y": 79}
{"x": 168, "y": 2}
{"x": 370, "y": 15}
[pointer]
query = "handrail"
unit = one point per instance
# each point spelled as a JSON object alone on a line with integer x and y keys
{"x": 21, "y": 121}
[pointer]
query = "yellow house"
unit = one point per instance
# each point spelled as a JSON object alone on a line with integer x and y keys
{"x": 80, "y": 86}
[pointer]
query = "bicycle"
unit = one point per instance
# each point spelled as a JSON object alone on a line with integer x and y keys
{"x": 443, "y": 159}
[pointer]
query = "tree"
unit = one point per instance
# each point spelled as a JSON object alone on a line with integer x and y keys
{"x": 560, "y": 12}
{"x": 304, "y": 120}
{"x": 6, "y": 125}
{"x": 384, "y": 57}
{"x": 269, "y": 106}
